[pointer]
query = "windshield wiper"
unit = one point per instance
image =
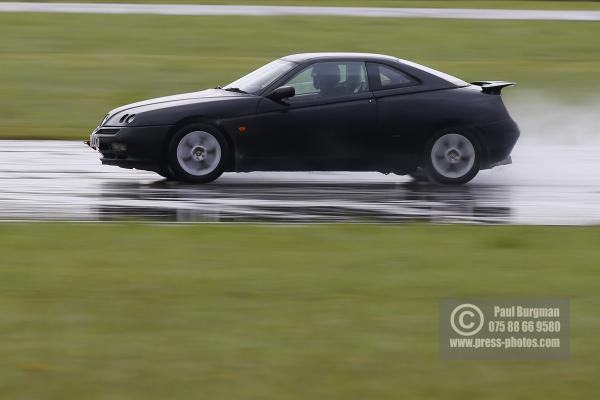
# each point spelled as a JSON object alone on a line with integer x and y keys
{"x": 235, "y": 89}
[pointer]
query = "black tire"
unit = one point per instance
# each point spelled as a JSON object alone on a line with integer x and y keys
{"x": 435, "y": 173}
{"x": 181, "y": 169}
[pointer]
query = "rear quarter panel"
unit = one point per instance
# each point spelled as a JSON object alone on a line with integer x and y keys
{"x": 408, "y": 121}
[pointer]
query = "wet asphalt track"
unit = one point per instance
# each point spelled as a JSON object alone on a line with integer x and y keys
{"x": 58, "y": 180}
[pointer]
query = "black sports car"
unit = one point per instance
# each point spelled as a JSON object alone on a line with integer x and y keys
{"x": 318, "y": 112}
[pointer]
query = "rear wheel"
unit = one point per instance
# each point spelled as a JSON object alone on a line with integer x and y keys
{"x": 452, "y": 158}
{"x": 198, "y": 153}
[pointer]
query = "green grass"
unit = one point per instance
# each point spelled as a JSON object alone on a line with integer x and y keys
{"x": 508, "y": 4}
{"x": 240, "y": 312}
{"x": 61, "y": 73}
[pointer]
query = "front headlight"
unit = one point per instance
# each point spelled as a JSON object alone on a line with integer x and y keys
{"x": 104, "y": 120}
{"x": 126, "y": 118}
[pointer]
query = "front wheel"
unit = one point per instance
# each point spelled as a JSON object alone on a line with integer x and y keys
{"x": 198, "y": 153}
{"x": 452, "y": 159}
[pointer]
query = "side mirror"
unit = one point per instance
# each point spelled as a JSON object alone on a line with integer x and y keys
{"x": 283, "y": 92}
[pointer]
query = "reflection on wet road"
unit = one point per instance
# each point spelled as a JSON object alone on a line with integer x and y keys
{"x": 43, "y": 180}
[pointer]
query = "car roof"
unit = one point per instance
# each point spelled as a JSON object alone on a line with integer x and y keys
{"x": 307, "y": 57}
{"x": 304, "y": 57}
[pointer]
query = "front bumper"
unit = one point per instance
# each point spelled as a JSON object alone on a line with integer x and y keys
{"x": 140, "y": 147}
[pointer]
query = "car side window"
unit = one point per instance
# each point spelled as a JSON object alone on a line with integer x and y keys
{"x": 330, "y": 80}
{"x": 303, "y": 82}
{"x": 388, "y": 77}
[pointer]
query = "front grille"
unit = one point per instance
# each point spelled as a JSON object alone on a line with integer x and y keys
{"x": 106, "y": 131}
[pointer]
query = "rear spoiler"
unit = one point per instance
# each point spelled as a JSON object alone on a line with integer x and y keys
{"x": 492, "y": 87}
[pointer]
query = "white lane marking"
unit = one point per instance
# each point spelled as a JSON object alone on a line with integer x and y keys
{"x": 182, "y": 9}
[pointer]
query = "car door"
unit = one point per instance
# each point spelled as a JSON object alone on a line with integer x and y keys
{"x": 325, "y": 126}
{"x": 403, "y": 113}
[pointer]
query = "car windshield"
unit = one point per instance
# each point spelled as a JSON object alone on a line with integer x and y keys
{"x": 259, "y": 79}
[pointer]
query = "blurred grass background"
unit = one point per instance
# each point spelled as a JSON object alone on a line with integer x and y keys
{"x": 60, "y": 73}
{"x": 126, "y": 311}
{"x": 508, "y": 4}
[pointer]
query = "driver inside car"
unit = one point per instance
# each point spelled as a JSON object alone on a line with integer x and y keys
{"x": 326, "y": 78}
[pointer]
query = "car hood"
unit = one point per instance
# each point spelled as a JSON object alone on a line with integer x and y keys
{"x": 167, "y": 101}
